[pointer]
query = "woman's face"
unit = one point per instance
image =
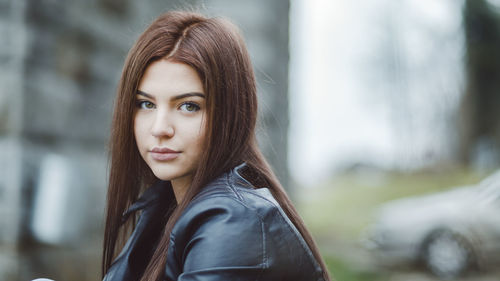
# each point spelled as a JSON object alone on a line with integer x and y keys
{"x": 169, "y": 121}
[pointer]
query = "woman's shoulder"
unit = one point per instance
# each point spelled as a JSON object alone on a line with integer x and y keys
{"x": 231, "y": 195}
{"x": 230, "y": 224}
{"x": 230, "y": 210}
{"x": 228, "y": 198}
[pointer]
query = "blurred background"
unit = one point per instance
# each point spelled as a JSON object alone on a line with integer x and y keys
{"x": 379, "y": 116}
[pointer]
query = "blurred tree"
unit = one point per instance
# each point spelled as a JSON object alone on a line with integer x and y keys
{"x": 480, "y": 120}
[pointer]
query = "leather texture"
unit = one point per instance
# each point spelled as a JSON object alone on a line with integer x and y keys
{"x": 230, "y": 231}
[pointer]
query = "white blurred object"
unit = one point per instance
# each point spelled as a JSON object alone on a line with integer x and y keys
{"x": 42, "y": 279}
{"x": 58, "y": 204}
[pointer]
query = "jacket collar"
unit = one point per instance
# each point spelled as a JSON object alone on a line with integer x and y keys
{"x": 160, "y": 191}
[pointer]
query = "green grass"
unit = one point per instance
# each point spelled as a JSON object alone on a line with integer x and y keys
{"x": 342, "y": 271}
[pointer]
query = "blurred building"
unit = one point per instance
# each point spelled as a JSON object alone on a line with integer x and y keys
{"x": 60, "y": 62}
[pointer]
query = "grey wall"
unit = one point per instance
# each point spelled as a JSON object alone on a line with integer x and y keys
{"x": 265, "y": 27}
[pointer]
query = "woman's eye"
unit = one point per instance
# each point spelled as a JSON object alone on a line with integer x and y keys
{"x": 145, "y": 104}
{"x": 189, "y": 107}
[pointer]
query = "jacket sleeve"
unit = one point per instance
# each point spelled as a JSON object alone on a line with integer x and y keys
{"x": 220, "y": 239}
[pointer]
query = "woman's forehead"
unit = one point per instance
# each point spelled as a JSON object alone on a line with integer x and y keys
{"x": 172, "y": 78}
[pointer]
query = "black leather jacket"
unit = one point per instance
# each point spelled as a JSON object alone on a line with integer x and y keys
{"x": 229, "y": 231}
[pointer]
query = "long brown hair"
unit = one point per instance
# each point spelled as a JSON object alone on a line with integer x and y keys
{"x": 215, "y": 49}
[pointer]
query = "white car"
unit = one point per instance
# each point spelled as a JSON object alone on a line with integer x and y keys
{"x": 449, "y": 232}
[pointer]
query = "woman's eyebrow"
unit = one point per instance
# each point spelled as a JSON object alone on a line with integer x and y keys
{"x": 187, "y": 95}
{"x": 174, "y": 98}
{"x": 139, "y": 92}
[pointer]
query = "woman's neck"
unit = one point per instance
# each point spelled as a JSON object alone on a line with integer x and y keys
{"x": 180, "y": 186}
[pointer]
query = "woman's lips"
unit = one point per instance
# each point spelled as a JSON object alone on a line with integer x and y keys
{"x": 163, "y": 154}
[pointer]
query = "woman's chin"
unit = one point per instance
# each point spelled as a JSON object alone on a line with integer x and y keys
{"x": 168, "y": 175}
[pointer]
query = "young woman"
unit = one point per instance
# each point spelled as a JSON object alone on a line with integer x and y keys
{"x": 183, "y": 135}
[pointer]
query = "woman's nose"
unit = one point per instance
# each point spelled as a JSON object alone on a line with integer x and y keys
{"x": 161, "y": 126}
